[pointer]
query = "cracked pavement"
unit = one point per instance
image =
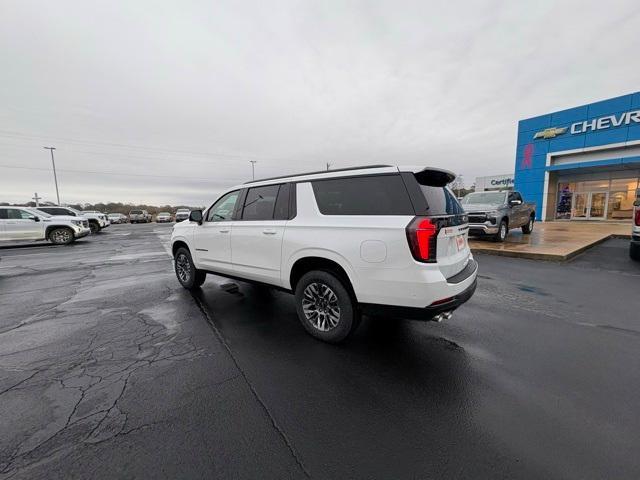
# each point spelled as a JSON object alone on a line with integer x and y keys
{"x": 108, "y": 368}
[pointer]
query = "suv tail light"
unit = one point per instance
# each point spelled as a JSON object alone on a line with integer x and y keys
{"x": 422, "y": 235}
{"x": 637, "y": 217}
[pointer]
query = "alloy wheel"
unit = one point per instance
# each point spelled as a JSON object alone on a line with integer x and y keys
{"x": 320, "y": 306}
{"x": 61, "y": 236}
{"x": 183, "y": 268}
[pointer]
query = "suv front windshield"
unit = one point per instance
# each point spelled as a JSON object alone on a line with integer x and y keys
{"x": 489, "y": 198}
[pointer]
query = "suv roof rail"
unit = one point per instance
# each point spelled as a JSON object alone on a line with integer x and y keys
{"x": 317, "y": 173}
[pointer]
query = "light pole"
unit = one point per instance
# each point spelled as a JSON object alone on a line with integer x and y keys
{"x": 55, "y": 177}
{"x": 37, "y": 199}
{"x": 253, "y": 169}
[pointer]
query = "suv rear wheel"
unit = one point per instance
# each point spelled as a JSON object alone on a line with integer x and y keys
{"x": 61, "y": 236}
{"x": 188, "y": 275}
{"x": 94, "y": 227}
{"x": 325, "y": 307}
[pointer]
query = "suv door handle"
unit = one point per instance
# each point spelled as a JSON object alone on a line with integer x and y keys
{"x": 269, "y": 231}
{"x": 224, "y": 230}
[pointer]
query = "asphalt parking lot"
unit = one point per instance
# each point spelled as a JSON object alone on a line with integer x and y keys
{"x": 108, "y": 368}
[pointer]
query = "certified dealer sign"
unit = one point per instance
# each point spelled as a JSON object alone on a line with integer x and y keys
{"x": 601, "y": 123}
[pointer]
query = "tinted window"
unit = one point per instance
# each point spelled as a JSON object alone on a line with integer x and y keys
{"x": 260, "y": 203}
{"x": 282, "y": 203}
{"x": 3, "y": 213}
{"x": 223, "y": 209}
{"x": 15, "y": 214}
{"x": 370, "y": 195}
{"x": 441, "y": 201}
{"x": 135, "y": 212}
{"x": 57, "y": 211}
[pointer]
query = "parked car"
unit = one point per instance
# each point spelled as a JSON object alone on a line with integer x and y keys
{"x": 163, "y": 217}
{"x": 25, "y": 223}
{"x": 103, "y": 216}
{"x": 139, "y": 216}
{"x": 495, "y": 213}
{"x": 117, "y": 218}
{"x": 634, "y": 247}
{"x": 382, "y": 239}
{"x": 97, "y": 221}
{"x": 182, "y": 214}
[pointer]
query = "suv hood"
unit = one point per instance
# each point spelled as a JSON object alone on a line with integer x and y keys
{"x": 65, "y": 218}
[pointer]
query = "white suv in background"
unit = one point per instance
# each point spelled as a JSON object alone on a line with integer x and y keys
{"x": 97, "y": 220}
{"x": 381, "y": 240}
{"x": 24, "y": 223}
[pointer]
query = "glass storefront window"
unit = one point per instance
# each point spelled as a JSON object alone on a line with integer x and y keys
{"x": 596, "y": 199}
{"x": 563, "y": 209}
{"x": 621, "y": 205}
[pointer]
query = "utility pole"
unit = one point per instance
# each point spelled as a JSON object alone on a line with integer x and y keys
{"x": 253, "y": 169}
{"x": 55, "y": 178}
{"x": 328, "y": 165}
{"x": 36, "y": 199}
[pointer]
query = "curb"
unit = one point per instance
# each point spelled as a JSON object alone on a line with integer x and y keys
{"x": 551, "y": 257}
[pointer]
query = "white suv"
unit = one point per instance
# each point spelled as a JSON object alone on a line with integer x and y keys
{"x": 97, "y": 220}
{"x": 24, "y": 223}
{"x": 380, "y": 240}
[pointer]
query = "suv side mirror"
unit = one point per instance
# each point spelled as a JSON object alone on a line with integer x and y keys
{"x": 195, "y": 216}
{"x": 515, "y": 202}
{"x": 34, "y": 218}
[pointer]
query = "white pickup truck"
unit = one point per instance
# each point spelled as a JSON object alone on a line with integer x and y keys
{"x": 25, "y": 223}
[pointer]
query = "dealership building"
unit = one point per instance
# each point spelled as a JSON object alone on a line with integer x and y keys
{"x": 582, "y": 163}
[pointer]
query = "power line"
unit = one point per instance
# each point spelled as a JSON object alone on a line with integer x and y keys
{"x": 22, "y": 136}
{"x": 112, "y": 173}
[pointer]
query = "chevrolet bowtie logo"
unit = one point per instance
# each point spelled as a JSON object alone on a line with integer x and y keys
{"x": 550, "y": 132}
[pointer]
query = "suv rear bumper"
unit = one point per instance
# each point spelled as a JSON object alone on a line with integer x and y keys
{"x": 420, "y": 313}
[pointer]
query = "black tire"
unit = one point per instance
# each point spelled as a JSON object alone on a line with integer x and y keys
{"x": 323, "y": 293}
{"x": 61, "y": 236}
{"x": 188, "y": 275}
{"x": 503, "y": 231}
{"x": 94, "y": 227}
{"x": 528, "y": 228}
{"x": 634, "y": 251}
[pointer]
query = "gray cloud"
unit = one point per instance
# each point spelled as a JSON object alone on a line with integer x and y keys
{"x": 188, "y": 92}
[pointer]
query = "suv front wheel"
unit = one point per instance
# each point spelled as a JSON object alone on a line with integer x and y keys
{"x": 325, "y": 307}
{"x": 188, "y": 275}
{"x": 61, "y": 236}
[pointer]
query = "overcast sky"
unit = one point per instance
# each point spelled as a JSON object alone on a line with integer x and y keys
{"x": 170, "y": 100}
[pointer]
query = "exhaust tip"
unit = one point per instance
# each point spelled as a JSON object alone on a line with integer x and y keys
{"x": 442, "y": 316}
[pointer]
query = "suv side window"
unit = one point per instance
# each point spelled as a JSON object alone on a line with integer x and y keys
{"x": 222, "y": 210}
{"x": 63, "y": 211}
{"x": 260, "y": 203}
{"x": 4, "y": 213}
{"x": 15, "y": 214}
{"x": 368, "y": 195}
{"x": 282, "y": 203}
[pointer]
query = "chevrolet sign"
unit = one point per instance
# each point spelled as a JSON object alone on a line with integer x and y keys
{"x": 593, "y": 125}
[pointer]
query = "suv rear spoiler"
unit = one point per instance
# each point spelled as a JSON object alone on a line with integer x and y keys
{"x": 432, "y": 177}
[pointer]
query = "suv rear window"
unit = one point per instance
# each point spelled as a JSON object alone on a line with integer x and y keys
{"x": 441, "y": 201}
{"x": 368, "y": 195}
